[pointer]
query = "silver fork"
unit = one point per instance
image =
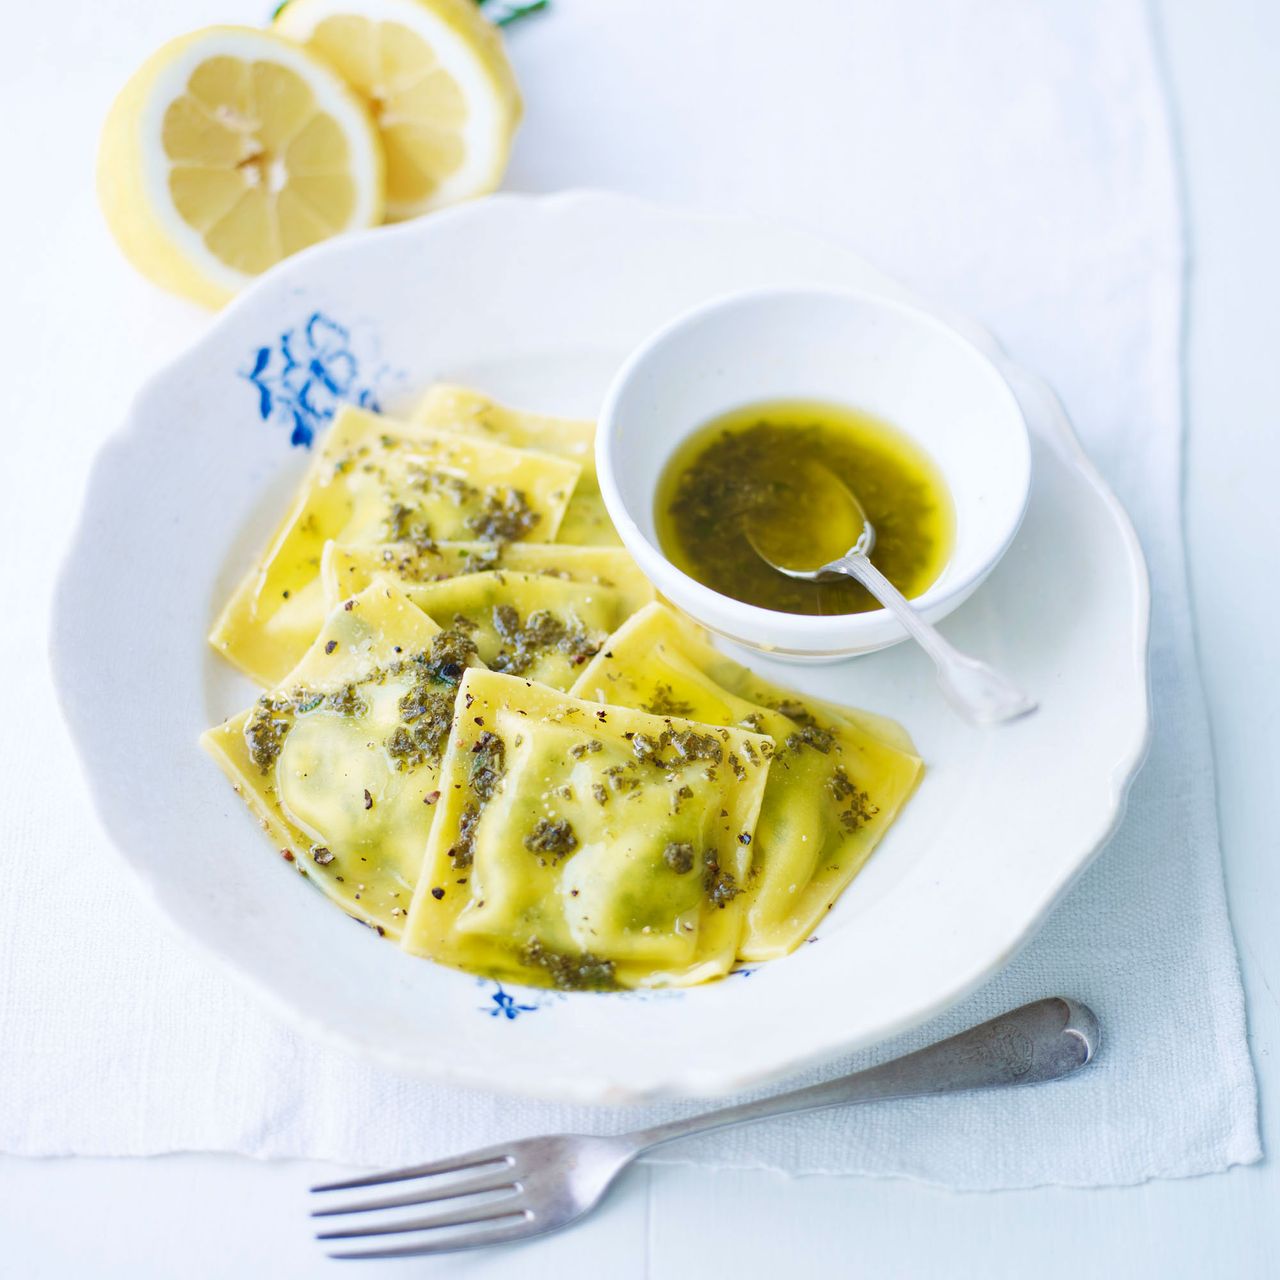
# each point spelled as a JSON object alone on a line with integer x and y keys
{"x": 528, "y": 1188}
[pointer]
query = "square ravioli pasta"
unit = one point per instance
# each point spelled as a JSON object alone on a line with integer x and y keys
{"x": 347, "y": 569}
{"x": 340, "y": 763}
{"x": 452, "y": 408}
{"x": 586, "y": 847}
{"x": 527, "y": 624}
{"x": 835, "y": 785}
{"x": 376, "y": 480}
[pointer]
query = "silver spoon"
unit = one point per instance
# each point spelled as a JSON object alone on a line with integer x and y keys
{"x": 843, "y": 547}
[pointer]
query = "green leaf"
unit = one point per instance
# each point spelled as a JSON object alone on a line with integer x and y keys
{"x": 502, "y": 13}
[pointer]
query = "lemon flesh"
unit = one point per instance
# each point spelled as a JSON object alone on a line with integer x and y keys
{"x": 436, "y": 80}
{"x": 229, "y": 150}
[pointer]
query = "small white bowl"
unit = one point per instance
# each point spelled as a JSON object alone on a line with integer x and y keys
{"x": 891, "y": 360}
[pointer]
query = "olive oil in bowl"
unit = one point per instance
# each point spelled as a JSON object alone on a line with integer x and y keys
{"x": 748, "y": 466}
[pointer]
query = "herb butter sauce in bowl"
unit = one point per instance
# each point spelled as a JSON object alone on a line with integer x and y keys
{"x": 750, "y": 468}
{"x": 708, "y": 423}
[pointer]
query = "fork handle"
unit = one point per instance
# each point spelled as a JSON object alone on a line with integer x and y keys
{"x": 1041, "y": 1041}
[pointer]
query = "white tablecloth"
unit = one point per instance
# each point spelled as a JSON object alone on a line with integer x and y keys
{"x": 1011, "y": 160}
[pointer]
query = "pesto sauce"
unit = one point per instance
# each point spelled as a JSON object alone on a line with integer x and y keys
{"x": 426, "y": 709}
{"x": 734, "y": 470}
{"x": 543, "y": 632}
{"x": 554, "y": 836}
{"x": 583, "y": 972}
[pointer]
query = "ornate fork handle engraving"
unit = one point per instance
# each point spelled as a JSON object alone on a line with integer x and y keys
{"x": 1038, "y": 1042}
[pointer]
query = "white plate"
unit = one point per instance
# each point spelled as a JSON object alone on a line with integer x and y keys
{"x": 536, "y": 300}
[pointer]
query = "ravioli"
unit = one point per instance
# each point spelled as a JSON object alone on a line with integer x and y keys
{"x": 341, "y": 761}
{"x": 755, "y": 688}
{"x": 345, "y": 570}
{"x": 461, "y": 409}
{"x": 374, "y": 480}
{"x": 526, "y": 624}
{"x": 834, "y": 787}
{"x": 583, "y": 846}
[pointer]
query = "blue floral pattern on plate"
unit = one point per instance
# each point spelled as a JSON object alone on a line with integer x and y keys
{"x": 508, "y": 1007}
{"x": 304, "y": 377}
{"x": 505, "y": 1005}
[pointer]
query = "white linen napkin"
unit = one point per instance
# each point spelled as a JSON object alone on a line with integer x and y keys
{"x": 1011, "y": 160}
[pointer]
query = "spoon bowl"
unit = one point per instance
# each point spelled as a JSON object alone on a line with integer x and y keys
{"x": 805, "y": 553}
{"x": 978, "y": 692}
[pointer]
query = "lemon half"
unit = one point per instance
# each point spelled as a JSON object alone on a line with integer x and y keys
{"x": 437, "y": 82}
{"x": 229, "y": 150}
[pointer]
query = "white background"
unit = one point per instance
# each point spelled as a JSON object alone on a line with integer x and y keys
{"x": 215, "y": 1216}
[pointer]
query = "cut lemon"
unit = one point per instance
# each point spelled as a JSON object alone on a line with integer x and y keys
{"x": 438, "y": 85}
{"x": 229, "y": 150}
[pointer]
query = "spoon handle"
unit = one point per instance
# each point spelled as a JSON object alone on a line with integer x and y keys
{"x": 979, "y": 692}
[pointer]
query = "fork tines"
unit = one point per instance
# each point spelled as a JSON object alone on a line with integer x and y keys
{"x": 498, "y": 1218}
{"x": 450, "y": 1164}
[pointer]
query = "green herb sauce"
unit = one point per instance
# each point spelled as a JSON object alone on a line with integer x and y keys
{"x": 741, "y": 468}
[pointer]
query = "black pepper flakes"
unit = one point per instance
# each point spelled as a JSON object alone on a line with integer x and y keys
{"x": 437, "y": 893}
{"x": 331, "y": 646}
{"x": 368, "y": 799}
